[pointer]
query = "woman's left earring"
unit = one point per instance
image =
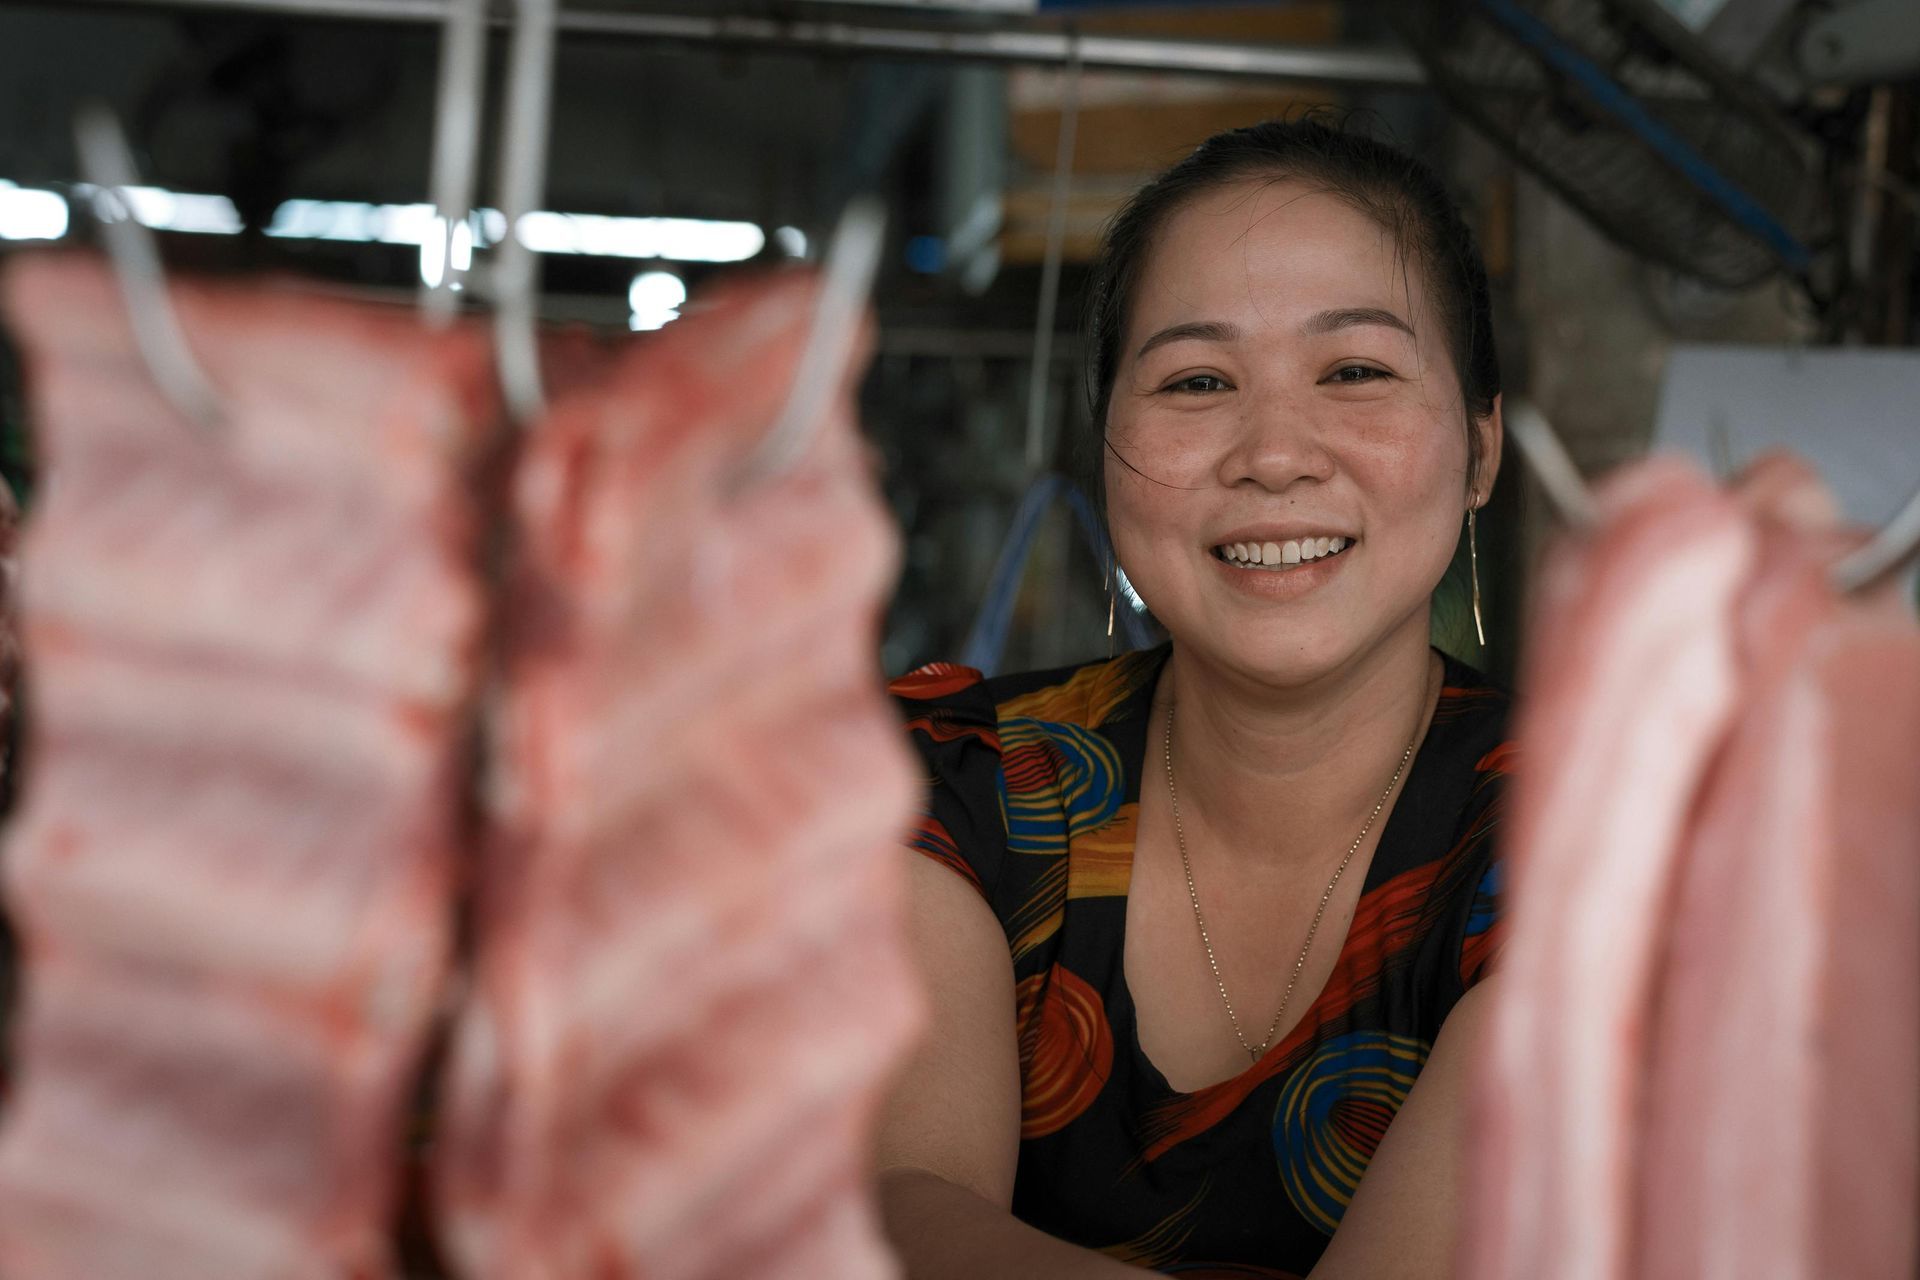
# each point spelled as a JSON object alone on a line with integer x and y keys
{"x": 1473, "y": 567}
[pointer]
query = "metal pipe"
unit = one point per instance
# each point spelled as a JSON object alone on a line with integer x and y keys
{"x": 1320, "y": 63}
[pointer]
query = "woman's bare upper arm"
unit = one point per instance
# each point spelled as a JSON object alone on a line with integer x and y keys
{"x": 1405, "y": 1214}
{"x": 955, "y": 1110}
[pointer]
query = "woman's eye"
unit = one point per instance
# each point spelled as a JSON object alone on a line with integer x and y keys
{"x": 1358, "y": 373}
{"x": 1198, "y": 384}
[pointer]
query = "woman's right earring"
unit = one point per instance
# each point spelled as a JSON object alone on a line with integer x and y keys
{"x": 1111, "y": 596}
{"x": 1473, "y": 567}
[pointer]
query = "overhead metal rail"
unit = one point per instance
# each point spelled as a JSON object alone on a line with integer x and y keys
{"x": 1000, "y": 42}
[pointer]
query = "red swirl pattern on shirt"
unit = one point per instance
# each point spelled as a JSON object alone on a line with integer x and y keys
{"x": 1066, "y": 1049}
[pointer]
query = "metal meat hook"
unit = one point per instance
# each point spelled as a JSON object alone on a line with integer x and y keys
{"x": 523, "y": 168}
{"x": 456, "y": 147}
{"x": 1552, "y": 465}
{"x": 1895, "y": 544}
{"x": 106, "y": 162}
{"x": 852, "y": 259}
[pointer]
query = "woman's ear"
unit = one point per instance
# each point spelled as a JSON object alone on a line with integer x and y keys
{"x": 1492, "y": 434}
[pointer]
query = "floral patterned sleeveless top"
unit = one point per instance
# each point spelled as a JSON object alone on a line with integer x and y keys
{"x": 1033, "y": 793}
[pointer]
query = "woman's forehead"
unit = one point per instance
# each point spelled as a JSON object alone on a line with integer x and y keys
{"x": 1272, "y": 251}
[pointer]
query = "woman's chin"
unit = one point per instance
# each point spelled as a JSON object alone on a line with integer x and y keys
{"x": 1278, "y": 657}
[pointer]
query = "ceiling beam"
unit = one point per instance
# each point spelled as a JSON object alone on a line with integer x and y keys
{"x": 1002, "y": 43}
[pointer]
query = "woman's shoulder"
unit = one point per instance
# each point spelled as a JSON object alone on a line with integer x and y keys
{"x": 1473, "y": 715}
{"x": 1462, "y": 680}
{"x": 1088, "y": 694}
{"x": 1473, "y": 875}
{"x": 969, "y": 728}
{"x": 1446, "y": 816}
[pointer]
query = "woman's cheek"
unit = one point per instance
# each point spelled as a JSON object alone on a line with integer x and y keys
{"x": 1145, "y": 530}
{"x": 1175, "y": 446}
{"x": 1127, "y": 496}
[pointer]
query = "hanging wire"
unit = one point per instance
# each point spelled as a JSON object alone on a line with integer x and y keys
{"x": 1041, "y": 377}
{"x": 106, "y": 162}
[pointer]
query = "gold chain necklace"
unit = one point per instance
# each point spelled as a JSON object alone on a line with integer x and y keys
{"x": 1180, "y": 835}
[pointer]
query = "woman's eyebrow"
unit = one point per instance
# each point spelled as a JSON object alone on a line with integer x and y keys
{"x": 1199, "y": 330}
{"x": 1349, "y": 317}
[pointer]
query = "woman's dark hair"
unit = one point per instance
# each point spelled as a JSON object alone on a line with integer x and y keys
{"x": 1391, "y": 187}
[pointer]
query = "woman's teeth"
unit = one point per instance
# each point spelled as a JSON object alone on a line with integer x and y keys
{"x": 1279, "y": 555}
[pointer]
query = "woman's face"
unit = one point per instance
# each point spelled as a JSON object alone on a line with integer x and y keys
{"x": 1283, "y": 385}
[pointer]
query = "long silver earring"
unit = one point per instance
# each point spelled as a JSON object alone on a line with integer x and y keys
{"x": 1473, "y": 566}
{"x": 1111, "y": 597}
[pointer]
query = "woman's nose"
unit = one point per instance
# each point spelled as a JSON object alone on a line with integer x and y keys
{"x": 1278, "y": 444}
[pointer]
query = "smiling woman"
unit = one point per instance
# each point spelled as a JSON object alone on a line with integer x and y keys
{"x": 1206, "y": 976}
{"x": 1297, "y": 372}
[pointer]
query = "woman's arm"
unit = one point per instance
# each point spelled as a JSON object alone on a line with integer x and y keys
{"x": 1405, "y": 1214}
{"x": 946, "y": 1232}
{"x": 950, "y": 1136}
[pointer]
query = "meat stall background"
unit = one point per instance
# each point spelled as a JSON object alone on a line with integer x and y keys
{"x": 644, "y": 619}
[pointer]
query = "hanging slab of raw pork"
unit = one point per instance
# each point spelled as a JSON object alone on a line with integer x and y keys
{"x": 690, "y": 979}
{"x": 1630, "y": 684}
{"x": 252, "y": 653}
{"x": 9, "y": 624}
{"x": 1782, "y": 1129}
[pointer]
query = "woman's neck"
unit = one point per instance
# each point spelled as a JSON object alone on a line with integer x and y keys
{"x": 1270, "y": 777}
